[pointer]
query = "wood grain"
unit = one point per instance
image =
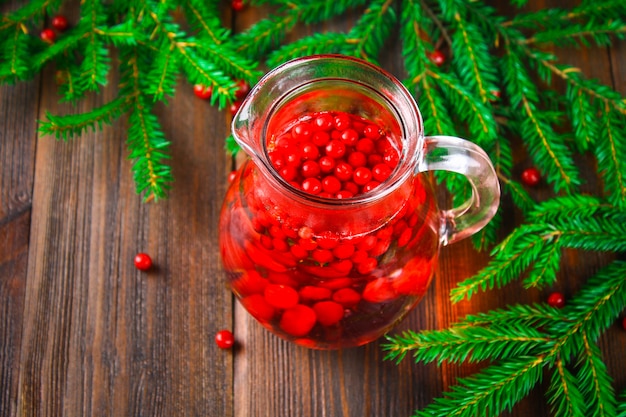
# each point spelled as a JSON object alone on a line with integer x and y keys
{"x": 83, "y": 333}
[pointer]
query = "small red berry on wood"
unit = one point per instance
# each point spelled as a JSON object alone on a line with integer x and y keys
{"x": 47, "y": 35}
{"x": 202, "y": 91}
{"x": 59, "y": 23}
{"x": 234, "y": 107}
{"x": 237, "y": 5}
{"x": 224, "y": 339}
{"x": 437, "y": 57}
{"x": 531, "y": 176}
{"x": 556, "y": 299}
{"x": 143, "y": 262}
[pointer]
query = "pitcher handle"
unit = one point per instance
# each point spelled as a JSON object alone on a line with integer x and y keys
{"x": 449, "y": 153}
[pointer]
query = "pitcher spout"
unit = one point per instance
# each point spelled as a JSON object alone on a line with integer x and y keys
{"x": 242, "y": 127}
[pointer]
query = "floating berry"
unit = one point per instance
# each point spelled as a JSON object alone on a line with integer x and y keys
{"x": 298, "y": 320}
{"x": 437, "y": 57}
{"x": 143, "y": 262}
{"x": 531, "y": 176}
{"x": 328, "y": 312}
{"x": 556, "y": 299}
{"x": 281, "y": 296}
{"x": 237, "y": 5}
{"x": 47, "y": 35}
{"x": 202, "y": 91}
{"x": 59, "y": 23}
{"x": 224, "y": 339}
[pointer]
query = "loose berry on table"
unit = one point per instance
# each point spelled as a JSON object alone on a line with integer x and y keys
{"x": 60, "y": 23}
{"x": 531, "y": 176}
{"x": 47, "y": 35}
{"x": 143, "y": 262}
{"x": 224, "y": 339}
{"x": 556, "y": 299}
{"x": 202, "y": 91}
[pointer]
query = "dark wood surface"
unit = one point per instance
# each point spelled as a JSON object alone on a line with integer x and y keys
{"x": 83, "y": 333}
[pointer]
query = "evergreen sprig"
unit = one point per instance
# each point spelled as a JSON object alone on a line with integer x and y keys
{"x": 522, "y": 342}
{"x": 499, "y": 85}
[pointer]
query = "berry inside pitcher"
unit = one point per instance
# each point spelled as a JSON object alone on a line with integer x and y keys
{"x": 329, "y": 275}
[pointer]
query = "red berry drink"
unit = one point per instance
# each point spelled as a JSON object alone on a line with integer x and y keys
{"x": 327, "y": 254}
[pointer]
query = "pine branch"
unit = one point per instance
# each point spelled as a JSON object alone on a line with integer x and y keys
{"x": 537, "y": 315}
{"x": 610, "y": 148}
{"x": 146, "y": 141}
{"x": 317, "y": 43}
{"x": 372, "y": 29}
{"x": 204, "y": 19}
{"x": 536, "y": 246}
{"x": 73, "y": 125}
{"x": 489, "y": 392}
{"x": 621, "y": 408}
{"x": 599, "y": 303}
{"x": 268, "y": 33}
{"x": 594, "y": 382}
{"x": 563, "y": 394}
{"x": 95, "y": 65}
{"x": 469, "y": 344}
{"x": 547, "y": 148}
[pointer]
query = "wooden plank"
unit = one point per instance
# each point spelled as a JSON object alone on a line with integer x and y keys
{"x": 18, "y": 104}
{"x": 100, "y": 337}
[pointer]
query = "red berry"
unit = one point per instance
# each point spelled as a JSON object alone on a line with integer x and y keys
{"x": 143, "y": 262}
{"x": 328, "y": 312}
{"x": 437, "y": 57}
{"x": 243, "y": 88}
{"x": 237, "y": 5}
{"x": 323, "y": 122}
{"x": 59, "y": 23}
{"x": 531, "y": 176}
{"x": 310, "y": 292}
{"x": 298, "y": 320}
{"x": 281, "y": 296}
{"x": 202, "y": 91}
{"x": 342, "y": 121}
{"x": 47, "y": 35}
{"x": 224, "y": 339}
{"x": 556, "y": 299}
{"x": 347, "y": 297}
{"x": 624, "y": 323}
{"x": 234, "y": 108}
{"x": 379, "y": 290}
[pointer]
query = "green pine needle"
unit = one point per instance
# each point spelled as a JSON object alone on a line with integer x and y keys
{"x": 563, "y": 393}
{"x": 74, "y": 125}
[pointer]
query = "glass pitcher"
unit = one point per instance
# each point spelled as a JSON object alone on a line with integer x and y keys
{"x": 330, "y": 231}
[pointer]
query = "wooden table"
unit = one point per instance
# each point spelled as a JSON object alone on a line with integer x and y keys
{"x": 83, "y": 333}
